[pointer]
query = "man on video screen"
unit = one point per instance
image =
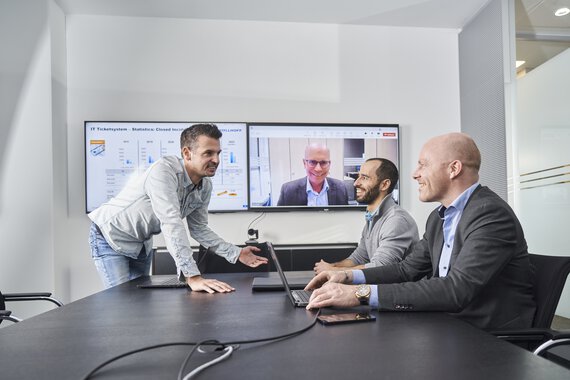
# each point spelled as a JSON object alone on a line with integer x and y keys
{"x": 315, "y": 189}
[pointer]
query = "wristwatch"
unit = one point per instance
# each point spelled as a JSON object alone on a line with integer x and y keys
{"x": 363, "y": 294}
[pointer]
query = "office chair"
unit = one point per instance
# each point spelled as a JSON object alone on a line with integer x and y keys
{"x": 13, "y": 297}
{"x": 550, "y": 277}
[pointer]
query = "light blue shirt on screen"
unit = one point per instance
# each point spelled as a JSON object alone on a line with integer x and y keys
{"x": 317, "y": 199}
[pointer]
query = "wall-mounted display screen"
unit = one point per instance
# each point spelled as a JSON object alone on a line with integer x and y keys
{"x": 117, "y": 151}
{"x": 285, "y": 158}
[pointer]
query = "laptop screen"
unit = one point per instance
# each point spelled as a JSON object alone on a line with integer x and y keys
{"x": 280, "y": 271}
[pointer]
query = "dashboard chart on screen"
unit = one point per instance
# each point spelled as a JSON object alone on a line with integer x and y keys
{"x": 115, "y": 152}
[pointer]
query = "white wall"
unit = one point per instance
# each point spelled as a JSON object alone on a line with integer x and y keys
{"x": 116, "y": 68}
{"x": 543, "y": 138}
{"x": 31, "y": 35}
{"x": 122, "y": 68}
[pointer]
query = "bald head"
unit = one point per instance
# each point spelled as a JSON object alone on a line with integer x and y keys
{"x": 317, "y": 164}
{"x": 447, "y": 166}
{"x": 317, "y": 148}
{"x": 456, "y": 146}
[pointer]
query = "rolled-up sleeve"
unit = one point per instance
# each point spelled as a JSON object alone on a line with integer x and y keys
{"x": 199, "y": 230}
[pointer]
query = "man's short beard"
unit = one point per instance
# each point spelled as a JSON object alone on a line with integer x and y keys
{"x": 371, "y": 195}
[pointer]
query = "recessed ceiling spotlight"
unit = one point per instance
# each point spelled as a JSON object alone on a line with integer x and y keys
{"x": 562, "y": 11}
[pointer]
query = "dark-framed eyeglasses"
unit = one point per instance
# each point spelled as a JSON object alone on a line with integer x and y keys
{"x": 313, "y": 163}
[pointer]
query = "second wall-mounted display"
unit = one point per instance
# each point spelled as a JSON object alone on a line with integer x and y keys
{"x": 285, "y": 158}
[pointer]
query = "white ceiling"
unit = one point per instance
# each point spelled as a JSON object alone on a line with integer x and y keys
{"x": 539, "y": 15}
{"x": 540, "y": 34}
{"x": 411, "y": 13}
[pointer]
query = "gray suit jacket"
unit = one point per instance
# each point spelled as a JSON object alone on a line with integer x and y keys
{"x": 489, "y": 283}
{"x": 294, "y": 193}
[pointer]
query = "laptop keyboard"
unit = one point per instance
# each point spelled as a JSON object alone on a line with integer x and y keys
{"x": 302, "y": 295}
{"x": 173, "y": 282}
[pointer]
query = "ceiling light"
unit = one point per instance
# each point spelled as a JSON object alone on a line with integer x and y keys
{"x": 520, "y": 63}
{"x": 562, "y": 11}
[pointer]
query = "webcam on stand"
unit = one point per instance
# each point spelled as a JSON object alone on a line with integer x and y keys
{"x": 252, "y": 236}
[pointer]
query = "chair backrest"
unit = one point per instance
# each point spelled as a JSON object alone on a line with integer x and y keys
{"x": 2, "y": 304}
{"x": 550, "y": 276}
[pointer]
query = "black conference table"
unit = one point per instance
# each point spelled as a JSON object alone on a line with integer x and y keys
{"x": 68, "y": 342}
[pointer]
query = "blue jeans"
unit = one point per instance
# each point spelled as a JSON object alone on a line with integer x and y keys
{"x": 115, "y": 268}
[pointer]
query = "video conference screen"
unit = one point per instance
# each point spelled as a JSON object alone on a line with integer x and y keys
{"x": 117, "y": 151}
{"x": 280, "y": 169}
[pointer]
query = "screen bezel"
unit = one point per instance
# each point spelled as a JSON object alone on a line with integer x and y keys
{"x": 328, "y": 208}
{"x": 85, "y": 151}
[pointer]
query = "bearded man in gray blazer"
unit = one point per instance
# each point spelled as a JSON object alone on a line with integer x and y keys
{"x": 472, "y": 261}
{"x": 389, "y": 230}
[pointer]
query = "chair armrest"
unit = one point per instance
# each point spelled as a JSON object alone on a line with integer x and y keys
{"x": 10, "y": 297}
{"x": 559, "y": 339}
{"x": 7, "y": 315}
{"x": 524, "y": 334}
{"x": 20, "y": 295}
{"x": 528, "y": 339}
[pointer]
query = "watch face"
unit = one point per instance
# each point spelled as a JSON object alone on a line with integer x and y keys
{"x": 363, "y": 291}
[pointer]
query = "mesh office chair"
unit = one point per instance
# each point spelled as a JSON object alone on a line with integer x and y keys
{"x": 13, "y": 297}
{"x": 550, "y": 274}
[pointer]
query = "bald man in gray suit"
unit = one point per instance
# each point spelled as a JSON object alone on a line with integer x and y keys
{"x": 472, "y": 261}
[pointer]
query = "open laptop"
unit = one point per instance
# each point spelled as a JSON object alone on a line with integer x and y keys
{"x": 296, "y": 280}
{"x": 299, "y": 298}
{"x": 164, "y": 282}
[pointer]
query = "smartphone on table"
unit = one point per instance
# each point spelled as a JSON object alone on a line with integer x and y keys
{"x": 335, "y": 319}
